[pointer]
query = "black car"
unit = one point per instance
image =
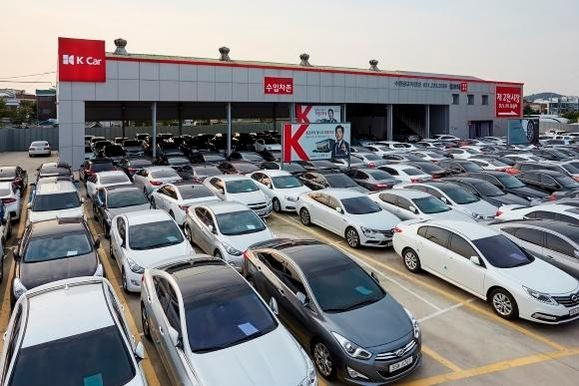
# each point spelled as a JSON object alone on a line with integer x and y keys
{"x": 132, "y": 165}
{"x": 15, "y": 174}
{"x": 321, "y": 165}
{"x": 114, "y": 200}
{"x": 114, "y": 152}
{"x": 133, "y": 148}
{"x": 317, "y": 181}
{"x": 372, "y": 179}
{"x": 430, "y": 168}
{"x": 181, "y": 165}
{"x": 549, "y": 181}
{"x": 168, "y": 149}
{"x": 510, "y": 184}
{"x": 459, "y": 166}
{"x": 206, "y": 158}
{"x": 90, "y": 167}
{"x": 336, "y": 310}
{"x": 550, "y": 154}
{"x": 488, "y": 191}
{"x": 237, "y": 167}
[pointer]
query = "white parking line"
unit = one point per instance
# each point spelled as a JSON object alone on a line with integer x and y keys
{"x": 445, "y": 310}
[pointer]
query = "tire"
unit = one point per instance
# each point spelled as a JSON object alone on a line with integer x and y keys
{"x": 503, "y": 304}
{"x": 276, "y": 205}
{"x": 352, "y": 237}
{"x": 124, "y": 279}
{"x": 145, "y": 323}
{"x": 323, "y": 360}
{"x": 218, "y": 254}
{"x": 111, "y": 254}
{"x": 411, "y": 260}
{"x": 153, "y": 203}
{"x": 305, "y": 217}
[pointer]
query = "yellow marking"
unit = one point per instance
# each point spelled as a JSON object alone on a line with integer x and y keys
{"x": 435, "y": 289}
{"x": 440, "y": 359}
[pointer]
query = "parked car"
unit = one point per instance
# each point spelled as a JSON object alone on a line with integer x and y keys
{"x": 105, "y": 179}
{"x": 90, "y": 167}
{"x": 487, "y": 264}
{"x": 370, "y": 160}
{"x": 16, "y": 175}
{"x": 55, "y": 197}
{"x": 433, "y": 169}
{"x": 406, "y": 173}
{"x": 114, "y": 152}
{"x": 488, "y": 192}
{"x": 75, "y": 320}
{"x": 549, "y": 181}
{"x": 552, "y": 211}
{"x": 270, "y": 144}
{"x": 11, "y": 198}
{"x": 112, "y": 201}
{"x": 459, "y": 166}
{"x": 317, "y": 181}
{"x": 201, "y": 172}
{"x": 241, "y": 189}
{"x": 349, "y": 214}
{"x": 178, "y": 197}
{"x": 199, "y": 325}
{"x": 181, "y": 165}
{"x": 511, "y": 184}
{"x": 133, "y": 148}
{"x": 373, "y": 179}
{"x": 152, "y": 177}
{"x": 39, "y": 148}
{"x": 429, "y": 156}
{"x": 281, "y": 187}
{"x": 356, "y": 332}
{"x": 206, "y": 158}
{"x": 55, "y": 169}
{"x": 132, "y": 165}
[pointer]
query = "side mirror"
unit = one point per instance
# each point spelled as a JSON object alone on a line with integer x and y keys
{"x": 211, "y": 228}
{"x": 97, "y": 243}
{"x": 475, "y": 260}
{"x": 140, "y": 351}
{"x": 339, "y": 210}
{"x": 375, "y": 277}
{"x": 273, "y": 306}
{"x": 302, "y": 298}
{"x": 174, "y": 335}
{"x": 413, "y": 209}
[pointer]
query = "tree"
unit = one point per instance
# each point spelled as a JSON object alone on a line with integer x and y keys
{"x": 572, "y": 116}
{"x": 527, "y": 110}
{"x": 3, "y": 109}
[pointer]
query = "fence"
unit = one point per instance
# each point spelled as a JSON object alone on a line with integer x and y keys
{"x": 16, "y": 139}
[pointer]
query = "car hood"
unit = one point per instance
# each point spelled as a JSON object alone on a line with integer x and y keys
{"x": 454, "y": 215}
{"x": 382, "y": 220}
{"x": 35, "y": 274}
{"x": 112, "y": 212}
{"x": 151, "y": 257}
{"x": 52, "y": 214}
{"x": 528, "y": 192}
{"x": 481, "y": 207}
{"x": 252, "y": 363}
{"x": 542, "y": 277}
{"x": 248, "y": 197}
{"x": 241, "y": 242}
{"x": 293, "y": 192}
{"x": 374, "y": 325}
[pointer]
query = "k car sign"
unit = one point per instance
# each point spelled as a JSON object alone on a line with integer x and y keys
{"x": 509, "y": 102}
{"x": 315, "y": 141}
{"x": 81, "y": 60}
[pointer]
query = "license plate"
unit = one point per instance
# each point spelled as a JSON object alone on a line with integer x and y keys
{"x": 388, "y": 244}
{"x": 401, "y": 364}
{"x": 574, "y": 311}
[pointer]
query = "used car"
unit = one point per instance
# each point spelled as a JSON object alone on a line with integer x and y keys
{"x": 242, "y": 189}
{"x": 114, "y": 200}
{"x": 178, "y": 197}
{"x": 281, "y": 187}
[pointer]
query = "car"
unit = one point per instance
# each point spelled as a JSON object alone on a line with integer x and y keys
{"x": 90, "y": 167}
{"x": 433, "y": 169}
{"x": 549, "y": 181}
{"x": 206, "y": 158}
{"x": 114, "y": 152}
{"x": 410, "y": 204}
{"x": 201, "y": 172}
{"x": 105, "y": 179}
{"x": 133, "y": 148}
{"x": 88, "y": 153}
{"x": 344, "y": 164}
{"x": 281, "y": 187}
{"x": 550, "y": 210}
{"x": 370, "y": 160}
{"x": 15, "y": 174}
{"x": 323, "y": 180}
{"x": 241, "y": 189}
{"x": 142, "y": 239}
{"x": 487, "y": 191}
{"x": 401, "y": 158}
{"x": 406, "y": 173}
{"x": 318, "y": 165}
{"x": 181, "y": 165}
{"x": 53, "y": 250}
{"x": 266, "y": 143}
{"x": 111, "y": 201}
{"x": 446, "y": 137}
{"x": 39, "y": 148}
{"x": 457, "y": 197}
{"x": 178, "y": 197}
{"x": 55, "y": 169}
{"x": 349, "y": 214}
{"x": 373, "y": 179}
{"x": 132, "y": 165}
{"x": 198, "y": 324}
{"x": 11, "y": 197}
{"x": 566, "y": 168}
{"x": 98, "y": 146}
{"x": 120, "y": 140}
{"x": 168, "y": 149}
{"x": 355, "y": 331}
{"x": 511, "y": 184}
{"x": 556, "y": 242}
{"x": 487, "y": 264}
{"x": 237, "y": 167}
{"x": 55, "y": 197}
{"x": 151, "y": 178}
{"x": 459, "y": 166}
{"x": 379, "y": 150}
{"x": 490, "y": 164}
{"x": 76, "y": 320}
{"x": 430, "y": 156}
{"x": 225, "y": 230}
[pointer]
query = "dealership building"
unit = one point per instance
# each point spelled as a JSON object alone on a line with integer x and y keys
{"x": 94, "y": 85}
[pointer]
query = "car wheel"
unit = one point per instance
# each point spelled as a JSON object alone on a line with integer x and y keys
{"x": 153, "y": 203}
{"x": 276, "y": 205}
{"x": 323, "y": 360}
{"x": 124, "y": 278}
{"x": 111, "y": 253}
{"x": 504, "y": 304}
{"x": 411, "y": 260}
{"x": 218, "y": 254}
{"x": 305, "y": 217}
{"x": 145, "y": 322}
{"x": 352, "y": 237}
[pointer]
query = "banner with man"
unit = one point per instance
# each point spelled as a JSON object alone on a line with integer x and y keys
{"x": 523, "y": 131}
{"x": 317, "y": 141}
{"x": 318, "y": 114}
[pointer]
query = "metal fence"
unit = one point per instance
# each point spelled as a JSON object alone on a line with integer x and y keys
{"x": 17, "y": 139}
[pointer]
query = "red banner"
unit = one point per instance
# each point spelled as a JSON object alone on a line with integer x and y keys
{"x": 509, "y": 102}
{"x": 463, "y": 87}
{"x": 81, "y": 60}
{"x": 273, "y": 85}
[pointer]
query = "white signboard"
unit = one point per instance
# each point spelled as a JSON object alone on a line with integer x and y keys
{"x": 318, "y": 114}
{"x": 315, "y": 141}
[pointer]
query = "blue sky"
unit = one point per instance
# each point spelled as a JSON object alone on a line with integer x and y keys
{"x": 531, "y": 41}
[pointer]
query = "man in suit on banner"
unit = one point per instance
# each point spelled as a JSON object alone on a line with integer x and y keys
{"x": 341, "y": 148}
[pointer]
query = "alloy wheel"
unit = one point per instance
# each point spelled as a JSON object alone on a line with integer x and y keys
{"x": 352, "y": 238}
{"x": 145, "y": 322}
{"x": 305, "y": 217}
{"x": 411, "y": 260}
{"x": 502, "y": 304}
{"x": 323, "y": 360}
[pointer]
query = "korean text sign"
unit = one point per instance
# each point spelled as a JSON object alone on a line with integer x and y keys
{"x": 81, "y": 60}
{"x": 508, "y": 102}
{"x": 279, "y": 86}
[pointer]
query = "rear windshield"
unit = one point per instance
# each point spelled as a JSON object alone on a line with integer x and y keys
{"x": 567, "y": 182}
{"x": 459, "y": 195}
{"x": 57, "y": 247}
{"x": 286, "y": 182}
{"x": 102, "y": 166}
{"x": 380, "y": 175}
{"x": 239, "y": 223}
{"x": 115, "y": 179}
{"x": 152, "y": 235}
{"x": 164, "y": 173}
{"x": 360, "y": 205}
{"x": 340, "y": 181}
{"x": 114, "y": 151}
{"x": 8, "y": 172}
{"x": 207, "y": 171}
{"x": 246, "y": 168}
{"x": 430, "y": 205}
{"x": 140, "y": 163}
{"x": 47, "y": 202}
{"x": 510, "y": 182}
{"x": 241, "y": 186}
{"x": 124, "y": 198}
{"x": 488, "y": 189}
{"x": 194, "y": 191}
{"x": 470, "y": 167}
{"x": 41, "y": 143}
{"x": 412, "y": 171}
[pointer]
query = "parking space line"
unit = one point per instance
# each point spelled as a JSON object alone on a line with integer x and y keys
{"x": 440, "y": 359}
{"x": 445, "y": 310}
{"x": 148, "y": 369}
{"x": 493, "y": 368}
{"x": 458, "y": 299}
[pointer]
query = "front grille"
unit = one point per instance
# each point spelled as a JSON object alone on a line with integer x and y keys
{"x": 386, "y": 356}
{"x": 258, "y": 206}
{"x": 388, "y": 234}
{"x": 568, "y": 301}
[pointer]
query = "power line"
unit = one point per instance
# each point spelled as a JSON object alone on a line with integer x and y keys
{"x": 28, "y": 76}
{"x": 25, "y": 81}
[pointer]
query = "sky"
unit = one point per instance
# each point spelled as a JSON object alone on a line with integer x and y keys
{"x": 534, "y": 42}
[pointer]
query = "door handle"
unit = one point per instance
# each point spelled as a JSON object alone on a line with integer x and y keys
{"x": 161, "y": 331}
{"x": 281, "y": 292}
{"x": 149, "y": 299}
{"x": 549, "y": 256}
{"x": 259, "y": 267}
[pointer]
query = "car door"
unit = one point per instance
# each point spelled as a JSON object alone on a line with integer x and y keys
{"x": 269, "y": 282}
{"x": 460, "y": 270}
{"x": 91, "y": 183}
{"x": 561, "y": 253}
{"x": 432, "y": 248}
{"x": 99, "y": 203}
{"x": 403, "y": 206}
{"x": 264, "y": 183}
{"x": 160, "y": 198}
{"x": 171, "y": 199}
{"x": 389, "y": 203}
{"x": 203, "y": 234}
{"x": 119, "y": 240}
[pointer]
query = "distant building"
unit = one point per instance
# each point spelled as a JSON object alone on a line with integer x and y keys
{"x": 46, "y": 104}
{"x": 555, "y": 105}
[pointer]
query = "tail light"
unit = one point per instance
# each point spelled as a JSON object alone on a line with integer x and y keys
{"x": 576, "y": 178}
{"x": 155, "y": 182}
{"x": 499, "y": 212}
{"x": 246, "y": 255}
{"x": 413, "y": 180}
{"x": 8, "y": 200}
{"x": 371, "y": 165}
{"x": 397, "y": 230}
{"x": 512, "y": 171}
{"x": 552, "y": 197}
{"x": 381, "y": 186}
{"x": 132, "y": 170}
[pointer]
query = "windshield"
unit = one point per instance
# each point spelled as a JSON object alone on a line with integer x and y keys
{"x": 154, "y": 235}
{"x": 510, "y": 182}
{"x": 270, "y": 141}
{"x": 140, "y": 163}
{"x": 239, "y": 223}
{"x": 57, "y": 247}
{"x": 76, "y": 360}
{"x": 286, "y": 182}
{"x": 115, "y": 179}
{"x": 340, "y": 181}
{"x": 252, "y": 157}
{"x": 430, "y": 168}
{"x": 471, "y": 167}
{"x": 124, "y": 198}
{"x": 178, "y": 161}
{"x": 131, "y": 143}
{"x": 46, "y": 202}
{"x": 246, "y": 168}
{"x": 430, "y": 205}
{"x": 570, "y": 168}
{"x": 567, "y": 182}
{"x": 164, "y": 173}
{"x": 241, "y": 186}
{"x": 189, "y": 192}
{"x": 227, "y": 316}
{"x": 488, "y": 189}
{"x": 412, "y": 171}
{"x": 501, "y": 252}
{"x": 459, "y": 195}
{"x": 380, "y": 175}
{"x": 102, "y": 166}
{"x": 343, "y": 287}
{"x": 360, "y": 205}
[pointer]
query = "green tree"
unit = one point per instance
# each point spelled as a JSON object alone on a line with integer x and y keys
{"x": 527, "y": 110}
{"x": 3, "y": 109}
{"x": 572, "y": 116}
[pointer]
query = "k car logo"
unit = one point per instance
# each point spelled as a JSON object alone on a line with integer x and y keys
{"x": 81, "y": 60}
{"x": 67, "y": 59}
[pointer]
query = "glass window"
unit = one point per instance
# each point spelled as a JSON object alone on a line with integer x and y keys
{"x": 488, "y": 189}
{"x": 510, "y": 182}
{"x": 60, "y": 201}
{"x": 438, "y": 236}
{"x": 501, "y": 252}
{"x": 542, "y": 214}
{"x": 154, "y": 235}
{"x": 455, "y": 99}
{"x": 412, "y": 171}
{"x": 461, "y": 247}
{"x": 533, "y": 236}
{"x": 286, "y": 182}
{"x": 557, "y": 244}
{"x": 430, "y": 205}
{"x": 390, "y": 171}
{"x": 470, "y": 99}
{"x": 569, "y": 219}
{"x": 164, "y": 173}
{"x": 125, "y": 198}
{"x": 567, "y": 182}
{"x": 340, "y": 181}
{"x": 360, "y": 205}
{"x": 485, "y": 100}
{"x": 57, "y": 247}
{"x": 459, "y": 195}
{"x": 239, "y": 223}
{"x": 194, "y": 191}
{"x": 403, "y": 203}
{"x": 241, "y": 186}
{"x": 115, "y": 179}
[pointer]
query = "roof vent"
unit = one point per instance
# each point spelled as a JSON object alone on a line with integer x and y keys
{"x": 305, "y": 60}
{"x": 224, "y": 57}
{"x": 374, "y": 65}
{"x": 121, "y": 44}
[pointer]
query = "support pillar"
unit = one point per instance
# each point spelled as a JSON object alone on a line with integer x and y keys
{"x": 180, "y": 117}
{"x": 390, "y": 123}
{"x": 154, "y": 119}
{"x": 229, "y": 130}
{"x": 427, "y": 125}
{"x": 344, "y": 116}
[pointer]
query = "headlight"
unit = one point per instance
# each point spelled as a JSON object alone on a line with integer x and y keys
{"x": 415, "y": 325}
{"x": 369, "y": 232}
{"x": 544, "y": 298}
{"x": 18, "y": 288}
{"x": 136, "y": 268}
{"x": 232, "y": 251}
{"x": 291, "y": 199}
{"x": 99, "y": 271}
{"x": 352, "y": 349}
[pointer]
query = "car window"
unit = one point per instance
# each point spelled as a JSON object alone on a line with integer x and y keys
{"x": 358, "y": 205}
{"x": 286, "y": 182}
{"x": 293, "y": 280}
{"x": 241, "y": 186}
{"x": 390, "y": 171}
{"x": 437, "y": 235}
{"x": 118, "y": 312}
{"x": 121, "y": 228}
{"x": 57, "y": 246}
{"x": 459, "y": 194}
{"x": 274, "y": 263}
{"x": 501, "y": 252}
{"x": 170, "y": 304}
{"x": 543, "y": 214}
{"x": 430, "y": 205}
{"x": 239, "y": 223}
{"x": 403, "y": 203}
{"x": 170, "y": 191}
{"x": 557, "y": 244}
{"x": 461, "y": 247}
{"x": 533, "y": 236}
{"x": 389, "y": 198}
{"x": 59, "y": 201}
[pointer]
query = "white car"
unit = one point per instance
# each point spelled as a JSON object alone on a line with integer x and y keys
{"x": 241, "y": 189}
{"x": 225, "y": 230}
{"x": 348, "y": 214}
{"x": 429, "y": 156}
{"x": 10, "y": 196}
{"x": 490, "y": 164}
{"x": 152, "y": 177}
{"x": 5, "y": 229}
{"x": 68, "y": 326}
{"x": 487, "y": 264}
{"x": 281, "y": 187}
{"x": 142, "y": 239}
{"x": 39, "y": 148}
{"x": 379, "y": 150}
{"x": 399, "y": 146}
{"x": 446, "y": 137}
{"x": 55, "y": 197}
{"x": 459, "y": 153}
{"x": 269, "y": 144}
{"x": 551, "y": 210}
{"x": 413, "y": 204}
{"x": 523, "y": 157}
{"x": 176, "y": 198}
{"x": 104, "y": 180}
{"x": 370, "y": 160}
{"x": 406, "y": 173}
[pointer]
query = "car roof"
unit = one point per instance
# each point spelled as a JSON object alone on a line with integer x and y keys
{"x": 121, "y": 188}
{"x": 106, "y": 173}
{"x": 56, "y": 227}
{"x": 406, "y": 193}
{"x": 219, "y": 207}
{"x": 473, "y": 231}
{"x": 50, "y": 317}
{"x": 50, "y": 185}
{"x": 341, "y": 193}
{"x": 495, "y": 173}
{"x": 400, "y": 166}
{"x": 562, "y": 227}
{"x": 274, "y": 172}
{"x": 146, "y": 216}
{"x": 232, "y": 177}
{"x": 544, "y": 171}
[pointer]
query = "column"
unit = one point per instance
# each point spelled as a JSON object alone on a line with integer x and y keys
{"x": 229, "y": 130}
{"x": 390, "y": 124}
{"x": 154, "y": 119}
{"x": 427, "y": 124}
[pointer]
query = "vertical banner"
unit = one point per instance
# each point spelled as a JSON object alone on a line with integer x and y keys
{"x": 508, "y": 102}
{"x": 321, "y": 141}
{"x": 318, "y": 114}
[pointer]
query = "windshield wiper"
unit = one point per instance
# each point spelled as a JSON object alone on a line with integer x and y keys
{"x": 352, "y": 307}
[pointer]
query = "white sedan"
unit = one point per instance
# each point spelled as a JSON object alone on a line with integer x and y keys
{"x": 281, "y": 187}
{"x": 490, "y": 164}
{"x": 152, "y": 177}
{"x": 406, "y": 173}
{"x": 552, "y": 211}
{"x": 241, "y": 189}
{"x": 486, "y": 263}
{"x": 104, "y": 180}
{"x": 176, "y": 198}
{"x": 225, "y": 230}
{"x": 349, "y": 214}
{"x": 270, "y": 144}
{"x": 39, "y": 148}
{"x": 142, "y": 239}
{"x": 10, "y": 196}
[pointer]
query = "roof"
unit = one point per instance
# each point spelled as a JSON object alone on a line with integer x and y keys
{"x": 232, "y": 177}
{"x": 56, "y": 227}
{"x": 51, "y": 185}
{"x": 275, "y": 173}
{"x": 473, "y": 231}
{"x": 146, "y": 216}
{"x": 543, "y": 171}
{"x": 120, "y": 188}
{"x": 341, "y": 193}
{"x": 108, "y": 173}
{"x": 219, "y": 207}
{"x": 406, "y": 193}
{"x": 562, "y": 227}
{"x": 495, "y": 173}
